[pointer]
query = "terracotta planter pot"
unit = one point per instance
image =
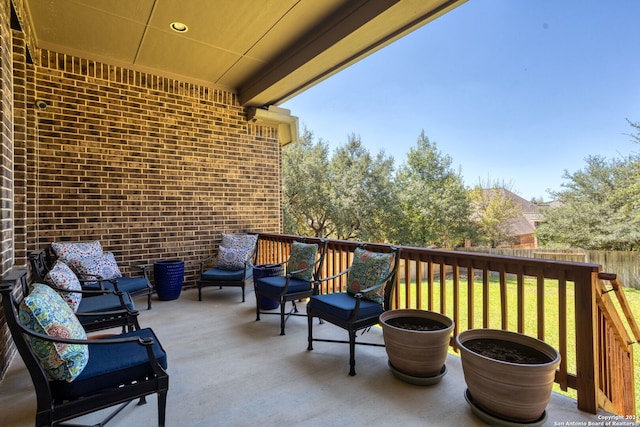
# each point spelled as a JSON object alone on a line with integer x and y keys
{"x": 512, "y": 391}
{"x": 416, "y": 353}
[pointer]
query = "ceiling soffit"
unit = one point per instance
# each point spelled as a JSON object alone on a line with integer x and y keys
{"x": 266, "y": 51}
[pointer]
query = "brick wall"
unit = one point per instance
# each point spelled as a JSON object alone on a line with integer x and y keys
{"x": 7, "y": 348}
{"x": 152, "y": 167}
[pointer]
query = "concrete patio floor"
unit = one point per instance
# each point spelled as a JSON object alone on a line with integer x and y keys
{"x": 226, "y": 369}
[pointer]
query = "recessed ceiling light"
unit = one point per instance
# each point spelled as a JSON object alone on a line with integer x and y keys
{"x": 179, "y": 27}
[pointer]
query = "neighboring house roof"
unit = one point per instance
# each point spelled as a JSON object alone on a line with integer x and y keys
{"x": 266, "y": 52}
{"x": 530, "y": 214}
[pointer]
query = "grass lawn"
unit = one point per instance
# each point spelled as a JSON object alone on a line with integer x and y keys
{"x": 552, "y": 300}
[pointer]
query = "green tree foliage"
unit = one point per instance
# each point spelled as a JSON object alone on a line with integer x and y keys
{"x": 493, "y": 213}
{"x": 347, "y": 196}
{"x": 599, "y": 207}
{"x": 362, "y": 192}
{"x": 435, "y": 203}
{"x": 307, "y": 204}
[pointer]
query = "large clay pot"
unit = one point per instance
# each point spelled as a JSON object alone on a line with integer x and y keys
{"x": 512, "y": 391}
{"x": 416, "y": 353}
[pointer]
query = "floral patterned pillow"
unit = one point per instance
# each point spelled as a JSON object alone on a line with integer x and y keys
{"x": 61, "y": 276}
{"x": 104, "y": 266}
{"x": 232, "y": 258}
{"x": 239, "y": 241}
{"x": 73, "y": 252}
{"x": 369, "y": 269}
{"x": 44, "y": 311}
{"x": 302, "y": 255}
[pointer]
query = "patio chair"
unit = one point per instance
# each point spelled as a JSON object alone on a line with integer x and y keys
{"x": 96, "y": 309}
{"x": 302, "y": 268}
{"x": 233, "y": 265}
{"x": 91, "y": 264}
{"x": 73, "y": 375}
{"x": 370, "y": 282}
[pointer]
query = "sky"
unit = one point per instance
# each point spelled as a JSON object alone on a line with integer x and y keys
{"x": 514, "y": 91}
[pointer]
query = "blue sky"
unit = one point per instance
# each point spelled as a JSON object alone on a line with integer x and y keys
{"x": 516, "y": 91}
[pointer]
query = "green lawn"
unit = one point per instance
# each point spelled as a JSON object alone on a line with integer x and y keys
{"x": 551, "y": 303}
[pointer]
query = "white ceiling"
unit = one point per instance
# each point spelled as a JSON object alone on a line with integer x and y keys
{"x": 265, "y": 50}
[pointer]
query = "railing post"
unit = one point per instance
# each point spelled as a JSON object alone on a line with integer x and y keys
{"x": 586, "y": 341}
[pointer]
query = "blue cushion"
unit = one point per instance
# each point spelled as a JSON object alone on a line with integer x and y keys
{"x": 107, "y": 302}
{"x": 341, "y": 305}
{"x": 275, "y": 285}
{"x": 108, "y": 368}
{"x": 128, "y": 284}
{"x": 218, "y": 275}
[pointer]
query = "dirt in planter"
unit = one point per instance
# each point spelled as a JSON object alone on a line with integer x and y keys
{"x": 507, "y": 351}
{"x": 416, "y": 323}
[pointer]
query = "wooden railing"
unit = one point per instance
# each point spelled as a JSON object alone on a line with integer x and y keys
{"x": 617, "y": 389}
{"x": 481, "y": 291}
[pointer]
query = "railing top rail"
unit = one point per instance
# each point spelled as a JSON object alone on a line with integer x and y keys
{"x": 511, "y": 264}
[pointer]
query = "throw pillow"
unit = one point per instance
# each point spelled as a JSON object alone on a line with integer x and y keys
{"x": 369, "y": 269}
{"x": 302, "y": 256}
{"x": 241, "y": 241}
{"x": 44, "y": 311}
{"x": 61, "y": 276}
{"x": 73, "y": 252}
{"x": 232, "y": 258}
{"x": 104, "y": 266}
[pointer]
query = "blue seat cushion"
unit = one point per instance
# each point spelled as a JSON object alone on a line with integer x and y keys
{"x": 108, "y": 366}
{"x": 220, "y": 275}
{"x": 341, "y": 305}
{"x": 106, "y": 302}
{"x": 129, "y": 284}
{"x": 275, "y": 285}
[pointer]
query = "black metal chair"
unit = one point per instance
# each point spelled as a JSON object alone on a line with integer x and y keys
{"x": 234, "y": 261}
{"x": 302, "y": 268}
{"x": 370, "y": 282}
{"x": 45, "y": 259}
{"x": 106, "y": 380}
{"x": 97, "y": 309}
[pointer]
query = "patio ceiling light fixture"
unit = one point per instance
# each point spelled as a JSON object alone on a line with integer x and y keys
{"x": 179, "y": 27}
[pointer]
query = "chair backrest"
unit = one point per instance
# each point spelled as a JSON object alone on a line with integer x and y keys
{"x": 40, "y": 264}
{"x": 320, "y": 254}
{"x": 388, "y": 281}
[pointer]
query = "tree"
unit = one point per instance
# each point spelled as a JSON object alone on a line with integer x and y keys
{"x": 598, "y": 207}
{"x": 349, "y": 196}
{"x": 307, "y": 205}
{"x": 433, "y": 198}
{"x": 493, "y": 212}
{"x": 362, "y": 192}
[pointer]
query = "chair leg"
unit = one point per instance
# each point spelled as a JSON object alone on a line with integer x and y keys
{"x": 199, "y": 293}
{"x": 162, "y": 408}
{"x": 243, "y": 293}
{"x": 310, "y": 334}
{"x": 257, "y": 307}
{"x": 149, "y": 301}
{"x": 352, "y": 353}
{"x": 282, "y": 320}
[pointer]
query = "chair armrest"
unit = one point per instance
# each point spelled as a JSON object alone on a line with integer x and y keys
{"x": 317, "y": 283}
{"x": 108, "y": 313}
{"x": 89, "y": 292}
{"x": 205, "y": 262}
{"x": 143, "y": 268}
